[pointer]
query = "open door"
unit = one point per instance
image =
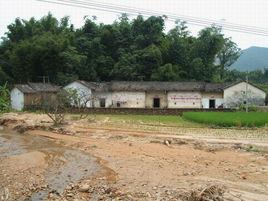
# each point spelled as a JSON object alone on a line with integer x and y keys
{"x": 156, "y": 102}
{"x": 102, "y": 102}
{"x": 212, "y": 103}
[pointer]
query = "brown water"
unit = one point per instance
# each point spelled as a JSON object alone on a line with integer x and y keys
{"x": 65, "y": 165}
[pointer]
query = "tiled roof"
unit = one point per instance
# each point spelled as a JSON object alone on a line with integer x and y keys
{"x": 153, "y": 86}
{"x": 37, "y": 87}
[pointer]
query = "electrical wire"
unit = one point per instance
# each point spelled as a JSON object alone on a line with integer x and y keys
{"x": 113, "y": 8}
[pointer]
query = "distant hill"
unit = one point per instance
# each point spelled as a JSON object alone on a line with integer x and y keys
{"x": 251, "y": 59}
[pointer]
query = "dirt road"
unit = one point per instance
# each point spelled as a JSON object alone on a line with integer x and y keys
{"x": 131, "y": 162}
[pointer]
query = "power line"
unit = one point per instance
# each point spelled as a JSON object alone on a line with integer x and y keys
{"x": 121, "y": 9}
{"x": 113, "y": 8}
{"x": 152, "y": 12}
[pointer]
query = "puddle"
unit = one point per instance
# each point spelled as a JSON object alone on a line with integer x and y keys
{"x": 65, "y": 165}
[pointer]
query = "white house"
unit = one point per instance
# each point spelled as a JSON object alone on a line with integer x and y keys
{"x": 241, "y": 93}
{"x": 167, "y": 94}
{"x": 83, "y": 90}
{"x": 31, "y": 94}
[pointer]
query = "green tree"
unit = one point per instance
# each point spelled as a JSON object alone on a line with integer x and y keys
{"x": 127, "y": 49}
{"x": 168, "y": 72}
{"x": 4, "y": 98}
{"x": 227, "y": 56}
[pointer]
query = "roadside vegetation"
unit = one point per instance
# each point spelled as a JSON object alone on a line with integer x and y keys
{"x": 229, "y": 119}
{"x": 4, "y": 98}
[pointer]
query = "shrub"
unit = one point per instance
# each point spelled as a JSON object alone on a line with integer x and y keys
{"x": 4, "y": 98}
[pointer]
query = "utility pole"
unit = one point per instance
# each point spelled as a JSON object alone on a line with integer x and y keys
{"x": 247, "y": 92}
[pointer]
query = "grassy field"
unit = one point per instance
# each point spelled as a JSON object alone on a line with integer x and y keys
{"x": 229, "y": 119}
{"x": 167, "y": 120}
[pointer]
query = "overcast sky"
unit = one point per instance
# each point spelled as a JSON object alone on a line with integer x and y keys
{"x": 244, "y": 12}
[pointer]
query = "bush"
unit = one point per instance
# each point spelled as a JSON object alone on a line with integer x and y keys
{"x": 229, "y": 119}
{"x": 4, "y": 98}
{"x": 251, "y": 108}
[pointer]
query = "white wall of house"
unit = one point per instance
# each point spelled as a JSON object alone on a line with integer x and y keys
{"x": 128, "y": 99}
{"x": 184, "y": 99}
{"x": 107, "y": 96}
{"x": 206, "y": 97}
{"x": 84, "y": 93}
{"x": 236, "y": 95}
{"x": 17, "y": 99}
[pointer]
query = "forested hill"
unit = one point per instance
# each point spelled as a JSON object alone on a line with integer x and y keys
{"x": 137, "y": 49}
{"x": 253, "y": 58}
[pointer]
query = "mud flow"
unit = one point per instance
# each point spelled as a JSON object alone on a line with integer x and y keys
{"x": 63, "y": 165}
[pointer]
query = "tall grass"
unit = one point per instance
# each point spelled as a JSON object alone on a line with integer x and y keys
{"x": 229, "y": 119}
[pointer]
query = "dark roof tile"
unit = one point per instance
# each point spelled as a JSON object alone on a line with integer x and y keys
{"x": 37, "y": 87}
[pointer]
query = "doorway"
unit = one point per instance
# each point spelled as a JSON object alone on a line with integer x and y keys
{"x": 102, "y": 102}
{"x": 156, "y": 103}
{"x": 211, "y": 103}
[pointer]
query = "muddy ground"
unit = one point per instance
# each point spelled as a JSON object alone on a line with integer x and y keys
{"x": 103, "y": 160}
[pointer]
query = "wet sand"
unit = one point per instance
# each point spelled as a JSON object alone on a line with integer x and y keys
{"x": 59, "y": 165}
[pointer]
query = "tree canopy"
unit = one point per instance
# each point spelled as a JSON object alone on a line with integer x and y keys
{"x": 137, "y": 49}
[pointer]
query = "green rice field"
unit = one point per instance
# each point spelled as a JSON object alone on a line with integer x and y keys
{"x": 229, "y": 119}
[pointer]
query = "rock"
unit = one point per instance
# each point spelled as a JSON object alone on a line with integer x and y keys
{"x": 243, "y": 177}
{"x": 84, "y": 188}
{"x": 1, "y": 128}
{"x": 167, "y": 142}
{"x": 129, "y": 196}
{"x": 70, "y": 195}
{"x": 168, "y": 193}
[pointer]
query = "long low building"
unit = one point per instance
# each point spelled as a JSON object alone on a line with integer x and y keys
{"x": 167, "y": 94}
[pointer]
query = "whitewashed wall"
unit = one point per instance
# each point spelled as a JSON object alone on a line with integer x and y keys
{"x": 218, "y": 97}
{"x": 129, "y": 99}
{"x": 184, "y": 99}
{"x": 17, "y": 99}
{"x": 84, "y": 92}
{"x": 236, "y": 95}
{"x": 106, "y": 95}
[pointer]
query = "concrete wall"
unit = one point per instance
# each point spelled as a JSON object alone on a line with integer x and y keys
{"x": 184, "y": 99}
{"x": 236, "y": 95}
{"x": 17, "y": 99}
{"x": 218, "y": 97}
{"x": 102, "y": 95}
{"x": 149, "y": 100}
{"x": 84, "y": 93}
{"x": 128, "y": 99}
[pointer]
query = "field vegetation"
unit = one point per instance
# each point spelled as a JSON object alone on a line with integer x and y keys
{"x": 229, "y": 119}
{"x": 4, "y": 98}
{"x": 164, "y": 120}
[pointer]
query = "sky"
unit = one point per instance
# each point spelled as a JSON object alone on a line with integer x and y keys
{"x": 244, "y": 12}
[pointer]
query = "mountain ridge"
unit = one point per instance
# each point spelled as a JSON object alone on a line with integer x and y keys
{"x": 252, "y": 58}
